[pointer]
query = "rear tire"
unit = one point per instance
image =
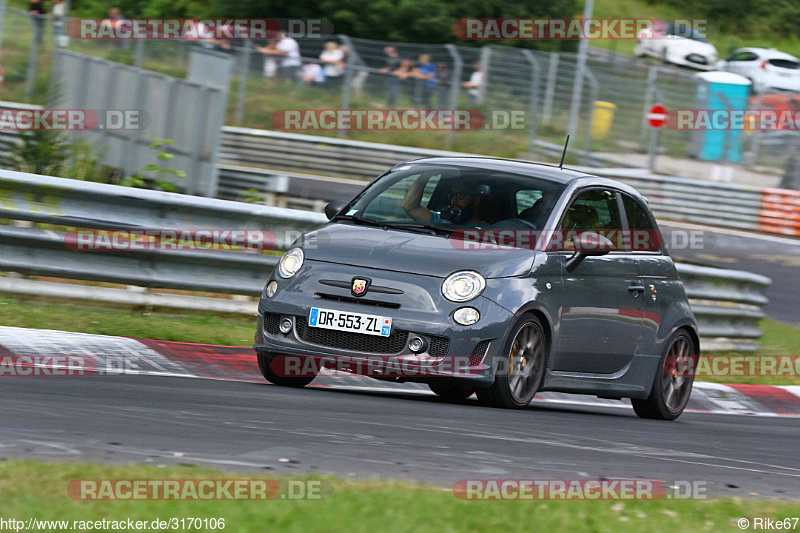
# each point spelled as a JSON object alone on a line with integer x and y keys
{"x": 522, "y": 371}
{"x": 670, "y": 392}
{"x": 451, "y": 390}
{"x": 264, "y": 364}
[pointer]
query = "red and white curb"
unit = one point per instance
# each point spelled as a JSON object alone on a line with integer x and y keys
{"x": 115, "y": 355}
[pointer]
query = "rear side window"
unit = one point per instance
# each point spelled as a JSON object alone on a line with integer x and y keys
{"x": 643, "y": 235}
{"x": 783, "y": 63}
{"x": 593, "y": 210}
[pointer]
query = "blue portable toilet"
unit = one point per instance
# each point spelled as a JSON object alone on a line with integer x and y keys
{"x": 719, "y": 90}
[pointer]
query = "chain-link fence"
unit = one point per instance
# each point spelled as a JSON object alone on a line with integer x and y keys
{"x": 617, "y": 90}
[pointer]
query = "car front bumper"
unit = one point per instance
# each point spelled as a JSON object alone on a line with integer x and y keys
{"x": 421, "y": 311}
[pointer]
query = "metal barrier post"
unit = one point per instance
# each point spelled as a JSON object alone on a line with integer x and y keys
{"x": 550, "y": 90}
{"x": 595, "y": 94}
{"x": 486, "y": 57}
{"x": 577, "y": 88}
{"x": 2, "y": 22}
{"x": 653, "y": 150}
{"x": 243, "y": 77}
{"x": 348, "y": 77}
{"x": 38, "y": 25}
{"x": 652, "y": 76}
{"x": 138, "y": 53}
{"x": 455, "y": 86}
{"x": 533, "y": 101}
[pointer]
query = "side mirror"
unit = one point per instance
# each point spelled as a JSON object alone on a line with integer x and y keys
{"x": 588, "y": 244}
{"x": 334, "y": 207}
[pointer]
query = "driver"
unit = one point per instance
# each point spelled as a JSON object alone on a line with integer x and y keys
{"x": 463, "y": 209}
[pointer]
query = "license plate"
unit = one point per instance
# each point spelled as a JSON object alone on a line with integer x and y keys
{"x": 353, "y": 322}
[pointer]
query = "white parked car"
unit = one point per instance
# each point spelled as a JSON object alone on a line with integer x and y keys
{"x": 770, "y": 71}
{"x": 679, "y": 45}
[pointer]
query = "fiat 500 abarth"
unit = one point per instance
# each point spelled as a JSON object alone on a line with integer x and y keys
{"x": 486, "y": 276}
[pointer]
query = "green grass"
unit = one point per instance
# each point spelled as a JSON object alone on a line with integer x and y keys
{"x": 724, "y": 42}
{"x": 95, "y": 318}
{"x": 778, "y": 339}
{"x": 231, "y": 330}
{"x": 39, "y": 490}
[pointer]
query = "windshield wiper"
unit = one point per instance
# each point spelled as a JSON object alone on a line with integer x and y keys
{"x": 359, "y": 220}
{"x": 419, "y": 226}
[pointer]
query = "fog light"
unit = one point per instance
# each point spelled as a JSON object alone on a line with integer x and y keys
{"x": 466, "y": 316}
{"x": 272, "y": 288}
{"x": 286, "y": 325}
{"x": 417, "y": 344}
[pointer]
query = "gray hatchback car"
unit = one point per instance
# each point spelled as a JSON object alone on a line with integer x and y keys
{"x": 487, "y": 276}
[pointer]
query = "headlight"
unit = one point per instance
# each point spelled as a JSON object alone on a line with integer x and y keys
{"x": 463, "y": 286}
{"x": 290, "y": 263}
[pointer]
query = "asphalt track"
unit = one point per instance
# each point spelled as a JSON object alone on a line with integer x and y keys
{"x": 245, "y": 425}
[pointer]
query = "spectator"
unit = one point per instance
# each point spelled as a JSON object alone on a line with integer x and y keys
{"x": 313, "y": 74}
{"x": 474, "y": 83}
{"x": 37, "y": 12}
{"x": 270, "y": 65}
{"x": 114, "y": 18}
{"x": 332, "y": 59}
{"x": 290, "y": 52}
{"x": 392, "y": 64}
{"x": 426, "y": 71}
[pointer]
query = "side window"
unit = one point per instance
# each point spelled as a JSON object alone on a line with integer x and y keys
{"x": 388, "y": 206}
{"x": 594, "y": 210}
{"x": 526, "y": 199}
{"x": 643, "y": 235}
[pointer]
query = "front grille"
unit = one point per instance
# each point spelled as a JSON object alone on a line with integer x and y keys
{"x": 272, "y": 323}
{"x": 358, "y": 301}
{"x": 479, "y": 353}
{"x": 439, "y": 346}
{"x": 346, "y": 340}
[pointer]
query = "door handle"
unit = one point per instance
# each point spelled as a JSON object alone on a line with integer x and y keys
{"x": 636, "y": 288}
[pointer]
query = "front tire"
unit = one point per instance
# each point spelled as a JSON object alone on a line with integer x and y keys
{"x": 265, "y": 365}
{"x": 518, "y": 379}
{"x": 671, "y": 390}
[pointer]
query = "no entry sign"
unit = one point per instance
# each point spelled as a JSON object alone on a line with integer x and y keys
{"x": 657, "y": 116}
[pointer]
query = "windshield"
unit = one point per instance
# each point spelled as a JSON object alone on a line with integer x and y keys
{"x": 452, "y": 197}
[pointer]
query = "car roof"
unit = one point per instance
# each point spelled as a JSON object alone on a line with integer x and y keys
{"x": 570, "y": 177}
{"x": 512, "y": 166}
{"x": 768, "y": 53}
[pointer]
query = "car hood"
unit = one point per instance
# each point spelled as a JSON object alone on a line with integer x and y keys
{"x": 404, "y": 251}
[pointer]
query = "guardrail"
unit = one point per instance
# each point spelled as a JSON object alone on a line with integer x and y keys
{"x": 727, "y": 303}
{"x": 675, "y": 198}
